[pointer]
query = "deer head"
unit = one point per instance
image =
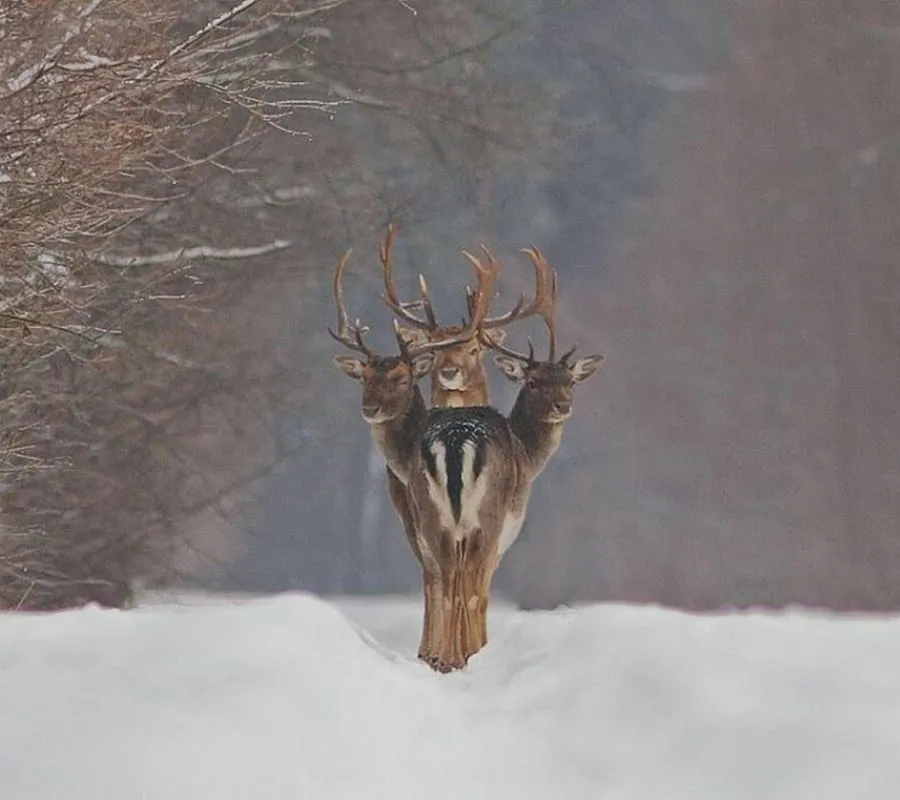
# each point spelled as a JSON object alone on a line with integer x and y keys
{"x": 547, "y": 386}
{"x": 389, "y": 382}
{"x": 458, "y": 376}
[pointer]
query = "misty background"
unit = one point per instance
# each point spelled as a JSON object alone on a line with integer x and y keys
{"x": 716, "y": 183}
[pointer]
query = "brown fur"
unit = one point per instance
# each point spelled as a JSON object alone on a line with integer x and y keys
{"x": 458, "y": 565}
{"x": 392, "y": 404}
{"x": 395, "y": 411}
{"x": 466, "y": 363}
{"x": 463, "y": 558}
{"x": 459, "y": 544}
{"x": 458, "y": 377}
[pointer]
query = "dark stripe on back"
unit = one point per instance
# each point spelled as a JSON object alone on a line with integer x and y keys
{"x": 453, "y": 428}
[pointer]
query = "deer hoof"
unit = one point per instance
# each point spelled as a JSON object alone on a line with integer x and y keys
{"x": 438, "y": 664}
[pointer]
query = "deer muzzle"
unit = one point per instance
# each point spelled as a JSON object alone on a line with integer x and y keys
{"x": 370, "y": 411}
{"x": 451, "y": 378}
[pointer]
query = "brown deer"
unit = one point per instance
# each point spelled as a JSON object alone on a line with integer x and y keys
{"x": 392, "y": 403}
{"x": 458, "y": 377}
{"x": 467, "y": 471}
{"x": 470, "y": 478}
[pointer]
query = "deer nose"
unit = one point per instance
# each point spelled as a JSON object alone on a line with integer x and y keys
{"x": 563, "y": 406}
{"x": 369, "y": 410}
{"x": 449, "y": 372}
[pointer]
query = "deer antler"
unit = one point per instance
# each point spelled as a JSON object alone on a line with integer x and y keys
{"x": 409, "y": 352}
{"x": 478, "y": 300}
{"x": 543, "y": 304}
{"x": 400, "y": 308}
{"x": 351, "y": 336}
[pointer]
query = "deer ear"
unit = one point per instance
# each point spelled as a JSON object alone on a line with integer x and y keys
{"x": 412, "y": 337}
{"x": 510, "y": 368}
{"x": 352, "y": 367}
{"x": 422, "y": 365}
{"x": 496, "y": 336}
{"x": 585, "y": 367}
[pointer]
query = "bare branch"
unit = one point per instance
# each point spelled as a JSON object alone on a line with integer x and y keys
{"x": 192, "y": 253}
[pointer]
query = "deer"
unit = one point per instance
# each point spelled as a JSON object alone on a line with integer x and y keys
{"x": 467, "y": 470}
{"x": 392, "y": 403}
{"x": 458, "y": 377}
{"x": 469, "y": 480}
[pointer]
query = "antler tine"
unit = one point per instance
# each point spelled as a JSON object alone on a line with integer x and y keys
{"x": 525, "y": 359}
{"x": 520, "y": 310}
{"x": 478, "y": 300}
{"x": 432, "y": 347}
{"x": 348, "y": 335}
{"x": 426, "y": 302}
{"x": 564, "y": 358}
{"x": 390, "y": 298}
{"x": 408, "y": 352}
{"x": 401, "y": 342}
{"x": 544, "y": 303}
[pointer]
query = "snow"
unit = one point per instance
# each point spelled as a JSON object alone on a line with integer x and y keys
{"x": 298, "y": 697}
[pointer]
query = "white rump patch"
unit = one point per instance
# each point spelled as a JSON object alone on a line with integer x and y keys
{"x": 437, "y": 488}
{"x": 473, "y": 491}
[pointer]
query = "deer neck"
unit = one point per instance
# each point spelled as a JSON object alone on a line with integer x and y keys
{"x": 396, "y": 438}
{"x": 474, "y": 395}
{"x": 539, "y": 439}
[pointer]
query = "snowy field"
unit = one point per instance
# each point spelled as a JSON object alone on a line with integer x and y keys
{"x": 294, "y": 697}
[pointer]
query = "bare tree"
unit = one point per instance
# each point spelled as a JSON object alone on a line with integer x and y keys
{"x": 111, "y": 113}
{"x": 167, "y": 174}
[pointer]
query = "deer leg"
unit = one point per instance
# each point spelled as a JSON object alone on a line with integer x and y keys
{"x": 441, "y": 637}
{"x": 480, "y": 568}
{"x": 463, "y": 603}
{"x": 472, "y": 626}
{"x": 424, "y": 642}
{"x": 432, "y": 621}
{"x": 432, "y": 625}
{"x": 470, "y": 639}
{"x": 449, "y": 649}
{"x": 457, "y": 629}
{"x": 487, "y": 568}
{"x": 457, "y": 610}
{"x": 476, "y": 608}
{"x": 473, "y": 595}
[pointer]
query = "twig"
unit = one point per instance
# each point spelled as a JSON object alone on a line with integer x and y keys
{"x": 191, "y": 253}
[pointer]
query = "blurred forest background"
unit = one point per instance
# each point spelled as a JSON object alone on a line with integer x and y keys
{"x": 716, "y": 181}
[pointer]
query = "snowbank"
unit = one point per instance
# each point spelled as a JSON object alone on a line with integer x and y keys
{"x": 288, "y": 698}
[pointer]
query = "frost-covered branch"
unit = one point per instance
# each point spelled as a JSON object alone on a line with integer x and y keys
{"x": 33, "y": 72}
{"x": 192, "y": 253}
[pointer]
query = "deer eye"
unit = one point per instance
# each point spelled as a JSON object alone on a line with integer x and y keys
{"x": 473, "y": 351}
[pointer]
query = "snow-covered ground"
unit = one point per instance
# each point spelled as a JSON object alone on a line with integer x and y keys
{"x": 295, "y": 697}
